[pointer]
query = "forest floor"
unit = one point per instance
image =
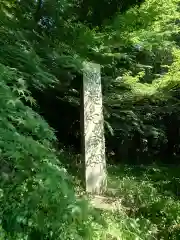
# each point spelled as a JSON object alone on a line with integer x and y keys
{"x": 140, "y": 203}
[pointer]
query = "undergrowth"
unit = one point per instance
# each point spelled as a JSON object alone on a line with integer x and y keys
{"x": 150, "y": 204}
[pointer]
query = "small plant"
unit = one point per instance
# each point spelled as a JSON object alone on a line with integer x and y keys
{"x": 146, "y": 203}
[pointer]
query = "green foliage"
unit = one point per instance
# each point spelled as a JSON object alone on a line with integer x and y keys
{"x": 148, "y": 204}
{"x": 142, "y": 82}
{"x": 150, "y": 197}
{"x": 37, "y": 198}
{"x": 43, "y": 45}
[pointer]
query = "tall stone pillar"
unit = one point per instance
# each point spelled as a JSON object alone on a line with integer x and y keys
{"x": 93, "y": 130}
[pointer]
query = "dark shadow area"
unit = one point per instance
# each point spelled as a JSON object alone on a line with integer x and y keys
{"x": 62, "y": 115}
{"x": 92, "y": 14}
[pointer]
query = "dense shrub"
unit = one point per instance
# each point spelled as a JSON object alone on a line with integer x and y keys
{"x": 37, "y": 198}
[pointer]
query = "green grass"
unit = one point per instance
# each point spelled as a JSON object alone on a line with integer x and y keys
{"x": 150, "y": 198}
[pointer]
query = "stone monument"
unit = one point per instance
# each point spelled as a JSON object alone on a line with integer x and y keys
{"x": 93, "y": 130}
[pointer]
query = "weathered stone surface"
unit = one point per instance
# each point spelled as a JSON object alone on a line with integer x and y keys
{"x": 106, "y": 203}
{"x": 93, "y": 130}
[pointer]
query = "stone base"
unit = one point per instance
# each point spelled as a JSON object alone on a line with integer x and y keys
{"x": 106, "y": 203}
